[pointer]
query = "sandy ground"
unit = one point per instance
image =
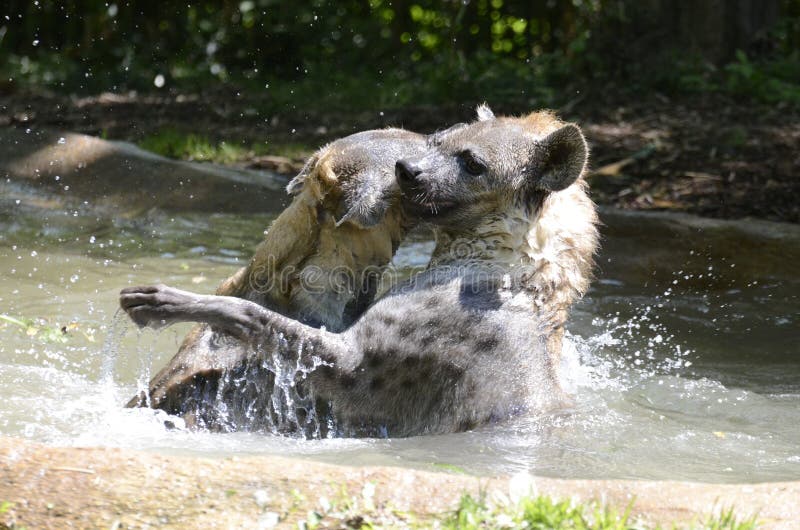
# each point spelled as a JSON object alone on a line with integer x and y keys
{"x": 61, "y": 487}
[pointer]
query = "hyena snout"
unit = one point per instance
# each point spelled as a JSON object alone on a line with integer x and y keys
{"x": 407, "y": 172}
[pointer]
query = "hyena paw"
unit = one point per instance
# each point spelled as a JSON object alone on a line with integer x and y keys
{"x": 153, "y": 305}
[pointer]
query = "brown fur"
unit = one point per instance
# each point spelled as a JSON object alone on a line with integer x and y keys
{"x": 321, "y": 232}
{"x": 473, "y": 339}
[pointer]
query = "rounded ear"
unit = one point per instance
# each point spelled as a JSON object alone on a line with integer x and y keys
{"x": 559, "y": 159}
{"x": 296, "y": 184}
{"x": 436, "y": 138}
{"x": 317, "y": 176}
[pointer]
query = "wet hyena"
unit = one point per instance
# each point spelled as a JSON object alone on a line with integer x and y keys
{"x": 320, "y": 261}
{"x": 475, "y": 337}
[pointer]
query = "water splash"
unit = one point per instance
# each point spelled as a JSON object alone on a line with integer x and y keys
{"x": 266, "y": 391}
{"x": 109, "y": 352}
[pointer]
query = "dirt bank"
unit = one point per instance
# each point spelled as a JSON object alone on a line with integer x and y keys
{"x": 707, "y": 155}
{"x": 54, "y": 487}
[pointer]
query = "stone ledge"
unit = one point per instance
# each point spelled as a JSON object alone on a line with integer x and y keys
{"x": 56, "y": 487}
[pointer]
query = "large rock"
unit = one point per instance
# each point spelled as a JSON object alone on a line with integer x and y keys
{"x": 124, "y": 180}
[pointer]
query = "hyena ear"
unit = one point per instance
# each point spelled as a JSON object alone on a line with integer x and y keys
{"x": 366, "y": 204}
{"x": 296, "y": 184}
{"x": 484, "y": 112}
{"x": 317, "y": 176}
{"x": 436, "y": 138}
{"x": 559, "y": 159}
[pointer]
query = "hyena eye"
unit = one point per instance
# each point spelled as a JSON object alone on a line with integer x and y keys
{"x": 471, "y": 163}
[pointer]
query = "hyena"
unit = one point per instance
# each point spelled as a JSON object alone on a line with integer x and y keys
{"x": 474, "y": 338}
{"x": 319, "y": 263}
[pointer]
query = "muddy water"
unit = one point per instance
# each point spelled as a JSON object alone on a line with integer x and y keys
{"x": 683, "y": 360}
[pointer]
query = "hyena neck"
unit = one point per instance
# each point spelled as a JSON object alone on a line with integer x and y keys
{"x": 339, "y": 282}
{"x": 547, "y": 253}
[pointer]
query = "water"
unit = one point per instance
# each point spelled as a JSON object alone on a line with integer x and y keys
{"x": 682, "y": 361}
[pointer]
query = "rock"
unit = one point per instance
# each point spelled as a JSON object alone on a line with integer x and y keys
{"x": 121, "y": 178}
{"x": 89, "y": 487}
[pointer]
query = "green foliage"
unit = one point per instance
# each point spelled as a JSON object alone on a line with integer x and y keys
{"x": 536, "y": 513}
{"x": 382, "y": 54}
{"x": 727, "y": 520}
{"x": 173, "y": 143}
{"x": 544, "y": 513}
{"x": 770, "y": 82}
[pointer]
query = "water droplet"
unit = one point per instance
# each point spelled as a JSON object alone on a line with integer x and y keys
{"x": 159, "y": 81}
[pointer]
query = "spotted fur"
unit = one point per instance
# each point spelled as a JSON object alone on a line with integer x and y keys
{"x": 475, "y": 337}
{"x": 344, "y": 216}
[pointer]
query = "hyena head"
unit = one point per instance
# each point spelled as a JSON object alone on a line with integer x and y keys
{"x": 474, "y": 173}
{"x": 345, "y": 223}
{"x": 508, "y": 191}
{"x": 352, "y": 179}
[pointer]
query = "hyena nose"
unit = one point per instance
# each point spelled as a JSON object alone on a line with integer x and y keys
{"x": 406, "y": 172}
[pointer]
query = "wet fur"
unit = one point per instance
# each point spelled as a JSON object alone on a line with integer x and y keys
{"x": 344, "y": 217}
{"x": 476, "y": 337}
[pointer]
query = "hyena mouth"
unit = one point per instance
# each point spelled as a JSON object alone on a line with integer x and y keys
{"x": 425, "y": 207}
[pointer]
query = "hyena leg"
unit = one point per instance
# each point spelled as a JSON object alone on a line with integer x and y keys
{"x": 158, "y": 305}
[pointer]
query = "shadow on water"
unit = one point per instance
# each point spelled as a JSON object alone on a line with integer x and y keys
{"x": 683, "y": 358}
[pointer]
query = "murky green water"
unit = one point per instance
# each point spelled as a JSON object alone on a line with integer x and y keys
{"x": 684, "y": 359}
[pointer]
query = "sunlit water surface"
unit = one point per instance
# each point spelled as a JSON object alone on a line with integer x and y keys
{"x": 682, "y": 361}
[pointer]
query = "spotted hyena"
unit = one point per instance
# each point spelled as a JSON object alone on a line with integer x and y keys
{"x": 475, "y": 337}
{"x": 319, "y": 263}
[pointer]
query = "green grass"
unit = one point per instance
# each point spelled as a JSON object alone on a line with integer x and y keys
{"x": 532, "y": 512}
{"x": 535, "y": 513}
{"x": 529, "y": 512}
{"x": 727, "y": 520}
{"x": 544, "y": 513}
{"x": 173, "y": 143}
